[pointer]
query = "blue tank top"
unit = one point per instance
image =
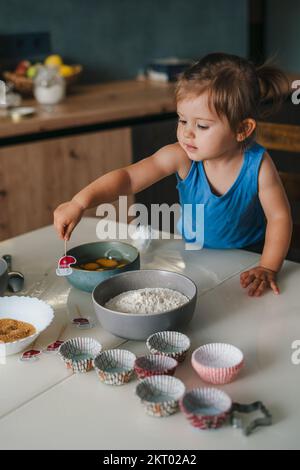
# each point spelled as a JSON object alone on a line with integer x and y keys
{"x": 232, "y": 220}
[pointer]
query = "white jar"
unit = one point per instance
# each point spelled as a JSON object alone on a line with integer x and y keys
{"x": 49, "y": 86}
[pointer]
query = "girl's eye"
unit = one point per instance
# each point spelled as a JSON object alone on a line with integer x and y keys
{"x": 181, "y": 121}
{"x": 201, "y": 127}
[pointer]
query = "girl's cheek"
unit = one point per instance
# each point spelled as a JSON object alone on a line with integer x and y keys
{"x": 179, "y": 134}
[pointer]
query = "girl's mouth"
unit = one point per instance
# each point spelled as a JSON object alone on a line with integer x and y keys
{"x": 190, "y": 148}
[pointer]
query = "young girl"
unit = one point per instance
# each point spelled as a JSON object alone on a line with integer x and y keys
{"x": 217, "y": 163}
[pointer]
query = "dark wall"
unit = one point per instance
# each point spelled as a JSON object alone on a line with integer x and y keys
{"x": 114, "y": 39}
{"x": 282, "y": 33}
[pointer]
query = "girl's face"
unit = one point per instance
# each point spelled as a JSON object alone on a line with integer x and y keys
{"x": 201, "y": 132}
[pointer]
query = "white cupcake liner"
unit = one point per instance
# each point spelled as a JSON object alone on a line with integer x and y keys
{"x": 107, "y": 361}
{"x": 71, "y": 350}
{"x": 169, "y": 343}
{"x": 206, "y": 408}
{"x": 217, "y": 363}
{"x": 160, "y": 394}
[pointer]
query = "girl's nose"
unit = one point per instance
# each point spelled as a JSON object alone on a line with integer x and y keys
{"x": 188, "y": 131}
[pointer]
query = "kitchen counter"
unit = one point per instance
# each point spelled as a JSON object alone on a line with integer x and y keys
{"x": 101, "y": 103}
{"x": 44, "y": 406}
{"x": 96, "y": 104}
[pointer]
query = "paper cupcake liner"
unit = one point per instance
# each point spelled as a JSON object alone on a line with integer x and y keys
{"x": 78, "y": 353}
{"x": 218, "y": 376}
{"x": 160, "y": 394}
{"x": 154, "y": 364}
{"x": 115, "y": 366}
{"x": 217, "y": 363}
{"x": 169, "y": 343}
{"x": 206, "y": 408}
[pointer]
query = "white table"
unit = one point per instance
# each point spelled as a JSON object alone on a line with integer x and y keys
{"x": 45, "y": 406}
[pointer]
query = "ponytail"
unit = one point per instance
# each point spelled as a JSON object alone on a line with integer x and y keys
{"x": 274, "y": 86}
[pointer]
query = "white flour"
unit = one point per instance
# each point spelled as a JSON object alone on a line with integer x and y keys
{"x": 148, "y": 300}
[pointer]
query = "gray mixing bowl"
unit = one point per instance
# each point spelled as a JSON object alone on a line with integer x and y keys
{"x": 140, "y": 326}
{"x": 3, "y": 275}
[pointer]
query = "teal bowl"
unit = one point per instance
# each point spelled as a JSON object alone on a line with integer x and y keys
{"x": 88, "y": 280}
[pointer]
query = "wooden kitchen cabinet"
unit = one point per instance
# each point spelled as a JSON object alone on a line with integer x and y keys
{"x": 35, "y": 177}
{"x": 147, "y": 139}
{"x": 44, "y": 160}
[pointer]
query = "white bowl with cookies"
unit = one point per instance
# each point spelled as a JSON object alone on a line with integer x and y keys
{"x": 22, "y": 319}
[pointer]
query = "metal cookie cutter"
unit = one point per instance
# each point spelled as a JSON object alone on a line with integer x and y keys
{"x": 237, "y": 422}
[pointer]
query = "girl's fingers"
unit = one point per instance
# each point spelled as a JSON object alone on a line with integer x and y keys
{"x": 274, "y": 287}
{"x": 59, "y": 229}
{"x": 261, "y": 288}
{"x": 258, "y": 280}
{"x": 69, "y": 230}
{"x": 244, "y": 275}
{"x": 243, "y": 278}
{"x": 248, "y": 280}
{"x": 63, "y": 230}
{"x": 253, "y": 286}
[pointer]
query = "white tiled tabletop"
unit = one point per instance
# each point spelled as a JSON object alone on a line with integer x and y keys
{"x": 43, "y": 405}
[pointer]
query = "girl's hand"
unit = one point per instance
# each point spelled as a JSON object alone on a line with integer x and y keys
{"x": 66, "y": 217}
{"x": 259, "y": 279}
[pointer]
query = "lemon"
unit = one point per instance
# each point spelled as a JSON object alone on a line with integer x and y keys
{"x": 54, "y": 60}
{"x": 66, "y": 70}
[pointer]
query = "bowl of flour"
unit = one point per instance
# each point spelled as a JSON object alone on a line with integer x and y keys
{"x": 136, "y": 304}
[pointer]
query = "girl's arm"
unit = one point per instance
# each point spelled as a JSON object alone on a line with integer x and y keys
{"x": 124, "y": 181}
{"x": 278, "y": 213}
{"x": 131, "y": 179}
{"x": 278, "y": 231}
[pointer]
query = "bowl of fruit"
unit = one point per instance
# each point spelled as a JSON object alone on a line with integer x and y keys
{"x": 22, "y": 78}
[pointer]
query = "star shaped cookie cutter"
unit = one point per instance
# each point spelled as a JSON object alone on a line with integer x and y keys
{"x": 237, "y": 422}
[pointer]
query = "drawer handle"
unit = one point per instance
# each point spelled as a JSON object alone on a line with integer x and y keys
{"x": 74, "y": 155}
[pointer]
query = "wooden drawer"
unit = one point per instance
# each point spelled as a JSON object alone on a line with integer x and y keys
{"x": 36, "y": 177}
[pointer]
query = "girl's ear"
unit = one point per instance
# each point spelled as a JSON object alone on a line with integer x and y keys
{"x": 246, "y": 128}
